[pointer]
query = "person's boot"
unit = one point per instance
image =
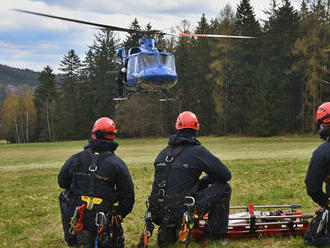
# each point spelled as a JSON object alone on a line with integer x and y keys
{"x": 220, "y": 238}
{"x": 86, "y": 239}
{"x": 162, "y": 238}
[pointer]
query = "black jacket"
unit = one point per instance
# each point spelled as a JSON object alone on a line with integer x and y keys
{"x": 318, "y": 170}
{"x": 194, "y": 159}
{"x": 113, "y": 182}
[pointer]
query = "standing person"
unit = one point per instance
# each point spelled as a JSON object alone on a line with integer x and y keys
{"x": 120, "y": 81}
{"x": 317, "y": 174}
{"x": 98, "y": 193}
{"x": 176, "y": 184}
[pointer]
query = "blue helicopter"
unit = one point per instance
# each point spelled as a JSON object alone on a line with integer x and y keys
{"x": 146, "y": 68}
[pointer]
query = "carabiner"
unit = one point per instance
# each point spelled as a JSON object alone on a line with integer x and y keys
{"x": 192, "y": 201}
{"x": 92, "y": 169}
{"x": 100, "y": 219}
{"x": 169, "y": 159}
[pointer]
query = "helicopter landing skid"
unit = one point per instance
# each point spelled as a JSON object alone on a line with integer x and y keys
{"x": 165, "y": 96}
{"x": 124, "y": 97}
{"x": 162, "y": 95}
{"x": 120, "y": 98}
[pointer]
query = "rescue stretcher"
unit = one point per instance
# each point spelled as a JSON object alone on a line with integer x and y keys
{"x": 283, "y": 220}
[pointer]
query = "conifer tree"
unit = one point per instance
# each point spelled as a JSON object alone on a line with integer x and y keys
{"x": 201, "y": 87}
{"x": 102, "y": 87}
{"x": 281, "y": 31}
{"x": 312, "y": 61}
{"x": 69, "y": 106}
{"x": 45, "y": 97}
{"x": 132, "y": 39}
{"x": 245, "y": 59}
{"x": 183, "y": 57}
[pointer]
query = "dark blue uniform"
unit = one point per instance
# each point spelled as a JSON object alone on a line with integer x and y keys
{"x": 111, "y": 182}
{"x": 318, "y": 171}
{"x": 182, "y": 178}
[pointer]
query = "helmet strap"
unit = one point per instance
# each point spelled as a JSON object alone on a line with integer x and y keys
{"x": 102, "y": 133}
{"x": 324, "y": 133}
{"x": 187, "y": 131}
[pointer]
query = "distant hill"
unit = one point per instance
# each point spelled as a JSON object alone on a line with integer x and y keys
{"x": 15, "y": 76}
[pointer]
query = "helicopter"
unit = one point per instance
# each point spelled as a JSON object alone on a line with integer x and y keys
{"x": 145, "y": 68}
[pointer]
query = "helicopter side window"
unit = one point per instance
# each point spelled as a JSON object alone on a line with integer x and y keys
{"x": 129, "y": 64}
{"x": 168, "y": 60}
{"x": 136, "y": 64}
{"x": 147, "y": 60}
{"x": 132, "y": 65}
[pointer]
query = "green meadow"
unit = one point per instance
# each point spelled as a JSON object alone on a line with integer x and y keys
{"x": 264, "y": 171}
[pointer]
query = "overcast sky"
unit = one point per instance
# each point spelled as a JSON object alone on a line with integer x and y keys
{"x": 33, "y": 42}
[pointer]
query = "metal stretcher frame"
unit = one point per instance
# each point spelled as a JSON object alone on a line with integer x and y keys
{"x": 262, "y": 224}
{"x": 251, "y": 223}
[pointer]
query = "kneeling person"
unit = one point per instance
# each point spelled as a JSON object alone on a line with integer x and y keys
{"x": 318, "y": 174}
{"x": 98, "y": 192}
{"x": 176, "y": 184}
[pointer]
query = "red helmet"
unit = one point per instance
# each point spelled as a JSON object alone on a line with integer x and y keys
{"x": 187, "y": 119}
{"x": 323, "y": 114}
{"x": 104, "y": 128}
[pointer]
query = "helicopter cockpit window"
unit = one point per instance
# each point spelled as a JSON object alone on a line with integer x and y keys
{"x": 148, "y": 59}
{"x": 168, "y": 60}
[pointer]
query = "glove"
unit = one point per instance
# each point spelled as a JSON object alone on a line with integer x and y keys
{"x": 120, "y": 218}
{"x": 115, "y": 212}
{"x": 205, "y": 182}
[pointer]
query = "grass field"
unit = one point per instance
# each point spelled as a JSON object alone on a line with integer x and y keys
{"x": 264, "y": 171}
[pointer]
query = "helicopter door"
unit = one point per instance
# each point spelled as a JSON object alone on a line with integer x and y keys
{"x": 132, "y": 67}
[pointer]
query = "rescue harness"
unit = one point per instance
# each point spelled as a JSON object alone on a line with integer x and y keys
{"x": 108, "y": 224}
{"x": 168, "y": 201}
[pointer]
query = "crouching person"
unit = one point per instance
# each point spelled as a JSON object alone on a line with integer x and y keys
{"x": 177, "y": 191}
{"x": 318, "y": 233}
{"x": 98, "y": 193}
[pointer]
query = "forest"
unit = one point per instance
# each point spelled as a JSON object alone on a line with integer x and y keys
{"x": 270, "y": 85}
{"x": 10, "y": 75}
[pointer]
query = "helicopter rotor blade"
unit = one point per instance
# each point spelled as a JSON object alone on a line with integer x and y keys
{"x": 114, "y": 28}
{"x": 217, "y": 36}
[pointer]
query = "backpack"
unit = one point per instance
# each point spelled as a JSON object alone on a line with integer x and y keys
{"x": 318, "y": 231}
{"x": 68, "y": 206}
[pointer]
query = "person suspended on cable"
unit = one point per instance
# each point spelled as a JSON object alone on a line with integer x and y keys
{"x": 121, "y": 79}
{"x": 99, "y": 191}
{"x": 179, "y": 195}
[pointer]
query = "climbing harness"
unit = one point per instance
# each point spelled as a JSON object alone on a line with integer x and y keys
{"x": 162, "y": 202}
{"x": 76, "y": 223}
{"x": 147, "y": 230}
{"x": 189, "y": 220}
{"x": 91, "y": 201}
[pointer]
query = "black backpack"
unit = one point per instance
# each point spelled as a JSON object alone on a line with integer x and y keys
{"x": 320, "y": 238}
{"x": 68, "y": 206}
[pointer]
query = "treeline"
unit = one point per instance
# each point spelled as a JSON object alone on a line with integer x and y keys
{"x": 10, "y": 75}
{"x": 265, "y": 86}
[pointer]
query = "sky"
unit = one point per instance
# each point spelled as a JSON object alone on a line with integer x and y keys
{"x": 32, "y": 42}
